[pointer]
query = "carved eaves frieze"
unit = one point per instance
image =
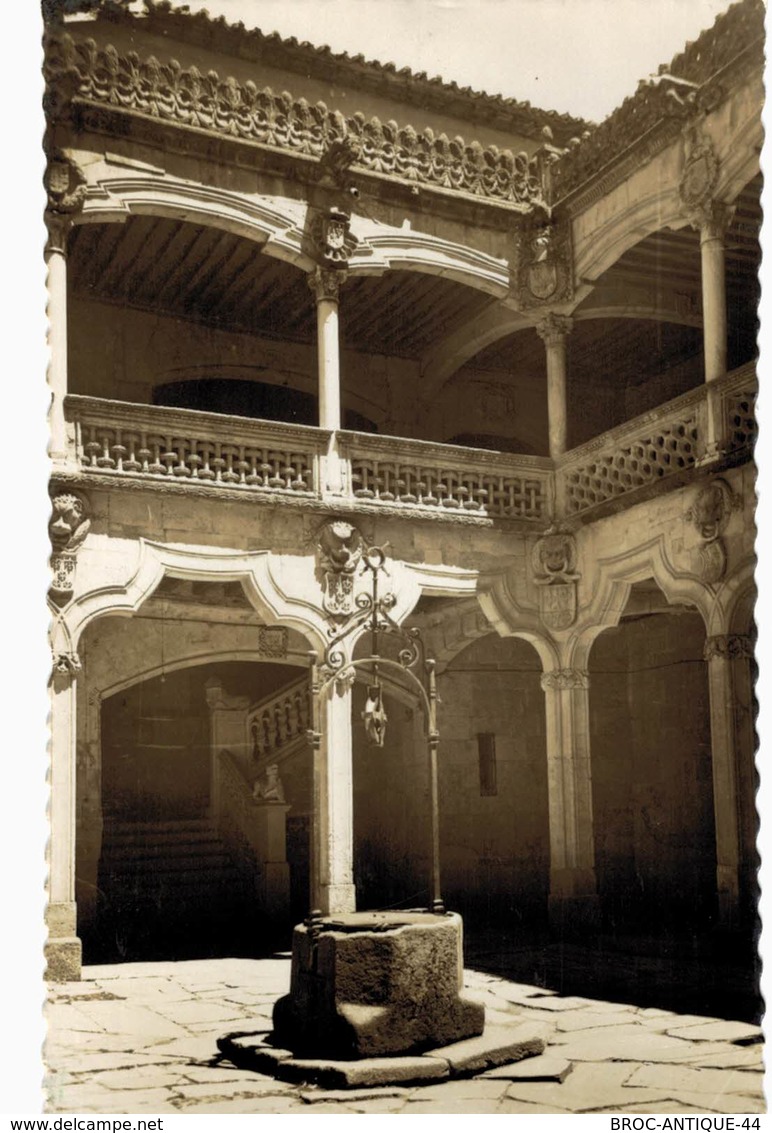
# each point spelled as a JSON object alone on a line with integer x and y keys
{"x": 153, "y": 91}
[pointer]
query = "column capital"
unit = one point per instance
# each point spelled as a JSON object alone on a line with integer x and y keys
{"x": 711, "y": 219}
{"x": 326, "y": 283}
{"x": 561, "y": 679}
{"x": 728, "y": 647}
{"x": 553, "y": 329}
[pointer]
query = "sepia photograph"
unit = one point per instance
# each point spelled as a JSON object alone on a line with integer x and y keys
{"x": 402, "y": 363}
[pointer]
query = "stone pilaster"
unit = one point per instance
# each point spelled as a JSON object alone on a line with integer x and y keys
{"x": 334, "y": 805}
{"x": 722, "y": 653}
{"x": 63, "y": 947}
{"x": 553, "y": 330}
{"x": 573, "y": 900}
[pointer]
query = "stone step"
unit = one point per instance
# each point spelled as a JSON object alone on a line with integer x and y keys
{"x": 147, "y": 850}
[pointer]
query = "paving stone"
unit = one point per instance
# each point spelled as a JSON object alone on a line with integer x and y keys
{"x": 723, "y": 1103}
{"x": 223, "y": 1072}
{"x": 542, "y": 1068}
{"x": 314, "y": 1097}
{"x": 63, "y": 1017}
{"x": 138, "y": 1078}
{"x": 130, "y": 1019}
{"x": 696, "y": 1080}
{"x": 82, "y": 1063}
{"x": 244, "y": 1105}
{"x": 493, "y": 1047}
{"x": 584, "y": 1019}
{"x": 85, "y": 1100}
{"x": 380, "y": 1105}
{"x": 452, "y": 1105}
{"x": 557, "y": 1002}
{"x": 462, "y": 1088}
{"x": 589, "y": 1087}
{"x": 259, "y": 1087}
{"x": 719, "y": 1031}
{"x": 196, "y": 1048}
{"x": 515, "y": 1105}
{"x": 363, "y": 1071}
{"x": 747, "y": 1058}
{"x": 668, "y": 1106}
{"x": 629, "y": 1043}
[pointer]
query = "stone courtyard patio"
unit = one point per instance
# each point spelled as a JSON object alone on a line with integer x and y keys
{"x": 142, "y": 1038}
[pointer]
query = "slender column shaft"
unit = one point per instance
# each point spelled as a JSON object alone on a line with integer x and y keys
{"x": 63, "y": 948}
{"x": 334, "y": 806}
{"x": 722, "y": 654}
{"x": 553, "y": 330}
{"x": 325, "y": 284}
{"x": 329, "y": 363}
{"x": 572, "y": 850}
{"x": 713, "y": 297}
{"x": 56, "y": 260}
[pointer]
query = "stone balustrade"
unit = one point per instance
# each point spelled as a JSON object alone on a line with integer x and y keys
{"x": 119, "y": 439}
{"x": 278, "y": 721}
{"x": 183, "y": 449}
{"x": 661, "y": 444}
{"x": 424, "y": 477}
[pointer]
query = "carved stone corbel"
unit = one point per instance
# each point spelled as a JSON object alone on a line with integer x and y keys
{"x": 545, "y": 268}
{"x": 710, "y": 514}
{"x": 66, "y": 190}
{"x": 554, "y": 569}
{"x": 68, "y": 527}
{"x": 340, "y": 547}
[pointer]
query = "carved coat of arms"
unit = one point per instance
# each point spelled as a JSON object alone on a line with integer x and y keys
{"x": 554, "y": 562}
{"x": 544, "y": 264}
{"x": 340, "y": 549}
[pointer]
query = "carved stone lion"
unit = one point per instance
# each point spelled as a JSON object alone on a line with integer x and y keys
{"x": 69, "y": 524}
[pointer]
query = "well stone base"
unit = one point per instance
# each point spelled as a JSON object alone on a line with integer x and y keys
{"x": 371, "y": 984}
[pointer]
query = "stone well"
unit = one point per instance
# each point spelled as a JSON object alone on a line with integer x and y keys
{"x": 369, "y": 984}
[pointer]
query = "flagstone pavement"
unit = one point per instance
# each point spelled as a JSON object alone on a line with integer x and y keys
{"x": 142, "y": 1038}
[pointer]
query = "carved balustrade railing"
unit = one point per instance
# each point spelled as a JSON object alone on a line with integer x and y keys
{"x": 279, "y": 721}
{"x": 156, "y": 443}
{"x": 189, "y": 449}
{"x": 715, "y": 419}
{"x": 433, "y": 478}
{"x": 188, "y": 97}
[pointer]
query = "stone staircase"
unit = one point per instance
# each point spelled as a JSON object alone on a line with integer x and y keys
{"x": 172, "y": 889}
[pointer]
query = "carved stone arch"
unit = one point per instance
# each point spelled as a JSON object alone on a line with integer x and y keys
{"x": 603, "y": 246}
{"x": 276, "y": 226}
{"x": 258, "y": 572}
{"x": 510, "y": 619}
{"x": 615, "y": 577}
{"x": 381, "y": 249}
{"x": 732, "y": 609}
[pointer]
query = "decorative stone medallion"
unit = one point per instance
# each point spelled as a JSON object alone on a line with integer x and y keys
{"x": 699, "y": 175}
{"x": 332, "y": 238}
